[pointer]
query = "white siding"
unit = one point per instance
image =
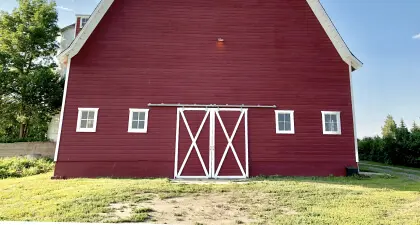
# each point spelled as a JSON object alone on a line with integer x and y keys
{"x": 65, "y": 39}
{"x": 53, "y": 128}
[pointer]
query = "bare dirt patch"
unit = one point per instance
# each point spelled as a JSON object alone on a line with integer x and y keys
{"x": 118, "y": 211}
{"x": 203, "y": 209}
{"x": 210, "y": 208}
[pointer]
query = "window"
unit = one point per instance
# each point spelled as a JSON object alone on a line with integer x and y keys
{"x": 331, "y": 123}
{"x": 83, "y": 21}
{"x": 285, "y": 123}
{"x": 87, "y": 119}
{"x": 137, "y": 122}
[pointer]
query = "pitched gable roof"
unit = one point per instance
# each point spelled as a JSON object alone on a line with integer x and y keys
{"x": 333, "y": 34}
{"x": 67, "y": 27}
{"x": 315, "y": 5}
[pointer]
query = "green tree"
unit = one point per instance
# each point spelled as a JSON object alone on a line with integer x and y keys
{"x": 415, "y": 127}
{"x": 400, "y": 153}
{"x": 389, "y": 128}
{"x": 372, "y": 149}
{"x": 398, "y": 145}
{"x": 415, "y": 147}
{"x": 30, "y": 88}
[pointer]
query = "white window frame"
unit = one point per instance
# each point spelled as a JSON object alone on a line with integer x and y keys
{"x": 81, "y": 24}
{"x": 130, "y": 120}
{"x": 292, "y": 121}
{"x": 324, "y": 130}
{"x": 79, "y": 120}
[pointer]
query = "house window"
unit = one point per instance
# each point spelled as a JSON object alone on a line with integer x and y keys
{"x": 285, "y": 123}
{"x": 137, "y": 122}
{"x": 87, "y": 119}
{"x": 83, "y": 21}
{"x": 331, "y": 123}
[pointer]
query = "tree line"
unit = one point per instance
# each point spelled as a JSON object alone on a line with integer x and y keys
{"x": 398, "y": 145}
{"x": 30, "y": 86}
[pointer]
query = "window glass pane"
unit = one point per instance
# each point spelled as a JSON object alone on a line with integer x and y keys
{"x": 91, "y": 115}
{"x": 287, "y": 117}
{"x": 333, "y": 118}
{"x": 83, "y": 123}
{"x": 135, "y": 116}
{"x": 90, "y": 124}
{"x": 84, "y": 115}
{"x": 288, "y": 126}
{"x": 142, "y": 115}
{"x": 141, "y": 124}
{"x": 327, "y": 126}
{"x": 281, "y": 117}
{"x": 282, "y": 126}
{"x": 327, "y": 118}
{"x": 334, "y": 127}
{"x": 84, "y": 21}
{"x": 135, "y": 124}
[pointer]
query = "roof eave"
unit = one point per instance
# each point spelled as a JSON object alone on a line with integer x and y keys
{"x": 86, "y": 31}
{"x": 355, "y": 63}
{"x": 315, "y": 5}
{"x": 334, "y": 35}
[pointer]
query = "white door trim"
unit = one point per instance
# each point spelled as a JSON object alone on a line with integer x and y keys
{"x": 229, "y": 144}
{"x": 194, "y": 143}
{"x": 211, "y": 171}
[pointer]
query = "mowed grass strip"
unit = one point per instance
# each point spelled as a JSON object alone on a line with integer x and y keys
{"x": 371, "y": 166}
{"x": 272, "y": 200}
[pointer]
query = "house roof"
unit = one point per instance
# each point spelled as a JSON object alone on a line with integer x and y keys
{"x": 67, "y": 27}
{"x": 82, "y": 15}
{"x": 315, "y": 5}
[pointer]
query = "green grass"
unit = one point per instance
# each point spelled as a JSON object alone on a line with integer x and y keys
{"x": 272, "y": 200}
{"x": 138, "y": 217}
{"x": 143, "y": 210}
{"x": 413, "y": 170}
{"x": 22, "y": 167}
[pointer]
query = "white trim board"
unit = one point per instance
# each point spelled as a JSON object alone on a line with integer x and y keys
{"x": 63, "y": 104}
{"x": 87, "y": 30}
{"x": 356, "y": 148}
{"x": 333, "y": 34}
{"x": 292, "y": 121}
{"x": 130, "y": 120}
{"x": 324, "y": 129}
{"x": 79, "y": 127}
{"x": 315, "y": 5}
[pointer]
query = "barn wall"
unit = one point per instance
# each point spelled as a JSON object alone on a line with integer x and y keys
{"x": 275, "y": 53}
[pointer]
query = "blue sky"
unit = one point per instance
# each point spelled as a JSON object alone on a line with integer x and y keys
{"x": 380, "y": 33}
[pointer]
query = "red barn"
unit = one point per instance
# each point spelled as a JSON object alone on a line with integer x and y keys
{"x": 207, "y": 89}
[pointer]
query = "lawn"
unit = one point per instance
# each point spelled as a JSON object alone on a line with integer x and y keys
{"x": 392, "y": 169}
{"x": 274, "y": 200}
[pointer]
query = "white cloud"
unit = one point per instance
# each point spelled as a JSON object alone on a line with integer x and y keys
{"x": 64, "y": 8}
{"x": 417, "y": 36}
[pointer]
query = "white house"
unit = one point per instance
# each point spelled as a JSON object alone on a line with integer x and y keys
{"x": 67, "y": 35}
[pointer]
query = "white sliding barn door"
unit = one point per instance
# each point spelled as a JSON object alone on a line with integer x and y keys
{"x": 211, "y": 143}
{"x": 192, "y": 143}
{"x": 230, "y": 143}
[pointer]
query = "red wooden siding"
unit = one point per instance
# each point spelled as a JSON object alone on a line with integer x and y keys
{"x": 275, "y": 53}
